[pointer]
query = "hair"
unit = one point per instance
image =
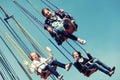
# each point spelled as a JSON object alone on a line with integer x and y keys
{"x": 32, "y": 58}
{"x": 43, "y": 11}
{"x": 79, "y": 53}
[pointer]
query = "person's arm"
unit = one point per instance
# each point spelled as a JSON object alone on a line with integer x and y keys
{"x": 49, "y": 52}
{"x": 47, "y": 25}
{"x": 50, "y": 30}
{"x": 31, "y": 68}
{"x": 62, "y": 14}
{"x": 89, "y": 55}
{"x": 60, "y": 11}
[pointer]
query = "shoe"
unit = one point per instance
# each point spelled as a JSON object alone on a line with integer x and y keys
{"x": 83, "y": 42}
{"x": 60, "y": 77}
{"x": 111, "y": 73}
{"x": 113, "y": 69}
{"x": 68, "y": 66}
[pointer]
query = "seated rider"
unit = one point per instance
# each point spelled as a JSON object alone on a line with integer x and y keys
{"x": 41, "y": 64}
{"x": 91, "y": 64}
{"x": 55, "y": 25}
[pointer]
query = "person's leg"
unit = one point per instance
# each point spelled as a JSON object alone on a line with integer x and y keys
{"x": 52, "y": 71}
{"x": 56, "y": 63}
{"x": 65, "y": 66}
{"x": 68, "y": 35}
{"x": 94, "y": 65}
{"x": 58, "y": 40}
{"x": 73, "y": 37}
{"x": 103, "y": 65}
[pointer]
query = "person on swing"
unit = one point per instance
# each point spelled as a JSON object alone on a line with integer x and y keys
{"x": 41, "y": 64}
{"x": 91, "y": 63}
{"x": 55, "y": 26}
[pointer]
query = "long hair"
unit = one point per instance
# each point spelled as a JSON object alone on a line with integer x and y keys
{"x": 79, "y": 53}
{"x": 43, "y": 11}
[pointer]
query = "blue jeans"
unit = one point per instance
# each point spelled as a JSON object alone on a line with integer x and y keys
{"x": 69, "y": 35}
{"x": 54, "y": 63}
{"x": 100, "y": 66}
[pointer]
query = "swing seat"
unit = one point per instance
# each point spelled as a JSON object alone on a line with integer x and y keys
{"x": 84, "y": 69}
{"x": 89, "y": 72}
{"x": 46, "y": 73}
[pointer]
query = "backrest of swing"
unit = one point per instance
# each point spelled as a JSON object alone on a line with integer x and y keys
{"x": 87, "y": 72}
{"x": 46, "y": 73}
{"x": 83, "y": 68}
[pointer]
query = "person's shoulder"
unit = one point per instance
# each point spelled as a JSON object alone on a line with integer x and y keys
{"x": 47, "y": 21}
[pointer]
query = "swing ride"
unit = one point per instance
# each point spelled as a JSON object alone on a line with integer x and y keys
{"x": 23, "y": 50}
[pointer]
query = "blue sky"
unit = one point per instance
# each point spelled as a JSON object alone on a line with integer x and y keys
{"x": 99, "y": 25}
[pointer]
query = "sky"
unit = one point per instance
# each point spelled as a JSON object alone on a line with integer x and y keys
{"x": 98, "y": 23}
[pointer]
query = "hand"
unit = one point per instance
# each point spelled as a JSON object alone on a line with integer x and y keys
{"x": 48, "y": 49}
{"x": 49, "y": 28}
{"x": 26, "y": 63}
{"x": 72, "y": 21}
{"x": 86, "y": 52}
{"x": 61, "y": 10}
{"x": 89, "y": 62}
{"x": 50, "y": 52}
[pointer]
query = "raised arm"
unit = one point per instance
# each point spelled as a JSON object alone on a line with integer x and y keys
{"x": 50, "y": 30}
{"x": 89, "y": 55}
{"x": 63, "y": 14}
{"x": 49, "y": 52}
{"x": 31, "y": 68}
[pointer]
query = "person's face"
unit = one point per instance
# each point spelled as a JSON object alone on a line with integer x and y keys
{"x": 34, "y": 56}
{"x": 76, "y": 56}
{"x": 47, "y": 13}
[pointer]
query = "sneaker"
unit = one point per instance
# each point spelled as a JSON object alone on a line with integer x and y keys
{"x": 81, "y": 41}
{"x": 60, "y": 77}
{"x": 68, "y": 66}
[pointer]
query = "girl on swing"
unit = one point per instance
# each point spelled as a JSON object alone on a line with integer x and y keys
{"x": 89, "y": 65}
{"x": 60, "y": 25}
{"x": 41, "y": 64}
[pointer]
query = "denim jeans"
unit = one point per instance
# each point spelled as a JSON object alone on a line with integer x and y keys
{"x": 69, "y": 35}
{"x": 100, "y": 66}
{"x": 54, "y": 63}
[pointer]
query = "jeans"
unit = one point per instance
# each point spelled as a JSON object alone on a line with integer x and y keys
{"x": 54, "y": 63}
{"x": 100, "y": 66}
{"x": 68, "y": 35}
{"x": 61, "y": 37}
